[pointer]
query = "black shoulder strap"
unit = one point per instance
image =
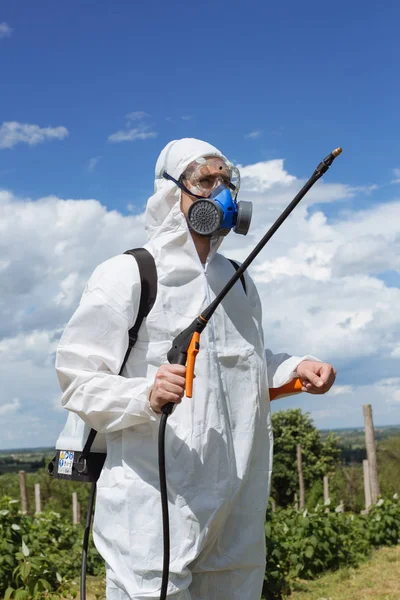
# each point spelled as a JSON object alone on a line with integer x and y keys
{"x": 148, "y": 283}
{"x": 242, "y": 279}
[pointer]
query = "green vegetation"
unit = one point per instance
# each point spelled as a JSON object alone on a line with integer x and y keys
{"x": 40, "y": 555}
{"x": 29, "y": 460}
{"x": 307, "y": 544}
{"x": 56, "y": 494}
{"x": 325, "y": 454}
{"x": 389, "y": 465}
{"x": 292, "y": 427}
{"x": 352, "y": 441}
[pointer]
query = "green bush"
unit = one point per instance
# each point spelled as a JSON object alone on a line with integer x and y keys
{"x": 322, "y": 541}
{"x": 306, "y": 544}
{"x": 384, "y": 523}
{"x": 40, "y": 556}
{"x": 277, "y": 550}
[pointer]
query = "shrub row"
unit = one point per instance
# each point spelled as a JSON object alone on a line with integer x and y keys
{"x": 306, "y": 544}
{"x": 40, "y": 557}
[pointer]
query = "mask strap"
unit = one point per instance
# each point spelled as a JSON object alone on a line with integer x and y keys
{"x": 181, "y": 186}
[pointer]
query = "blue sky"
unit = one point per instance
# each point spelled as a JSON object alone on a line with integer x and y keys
{"x": 309, "y": 76}
{"x": 288, "y": 81}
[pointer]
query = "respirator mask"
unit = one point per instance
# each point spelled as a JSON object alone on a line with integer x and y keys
{"x": 214, "y": 184}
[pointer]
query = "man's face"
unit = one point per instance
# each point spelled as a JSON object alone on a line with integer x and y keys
{"x": 201, "y": 178}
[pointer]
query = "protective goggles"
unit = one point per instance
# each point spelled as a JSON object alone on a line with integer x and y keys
{"x": 203, "y": 175}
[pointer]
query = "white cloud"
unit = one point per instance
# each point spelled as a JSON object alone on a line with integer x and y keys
{"x": 137, "y": 115}
{"x": 5, "y": 30}
{"x": 13, "y": 133}
{"x": 130, "y": 135}
{"x": 182, "y": 118}
{"x": 10, "y": 407}
{"x": 74, "y": 236}
{"x": 320, "y": 283}
{"x": 138, "y": 211}
{"x": 48, "y": 249}
{"x": 36, "y": 346}
{"x": 318, "y": 279}
{"x": 262, "y": 176}
{"x": 340, "y": 390}
{"x": 92, "y": 163}
{"x": 253, "y": 135}
{"x": 142, "y": 131}
{"x": 396, "y": 173}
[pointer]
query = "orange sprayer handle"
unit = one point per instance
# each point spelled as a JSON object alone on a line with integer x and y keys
{"x": 289, "y": 388}
{"x": 192, "y": 353}
{"x": 293, "y": 386}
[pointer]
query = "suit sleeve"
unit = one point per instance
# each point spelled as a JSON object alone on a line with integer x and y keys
{"x": 93, "y": 346}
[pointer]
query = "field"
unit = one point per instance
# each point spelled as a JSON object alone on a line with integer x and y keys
{"x": 28, "y": 459}
{"x": 378, "y": 579}
{"x": 352, "y": 441}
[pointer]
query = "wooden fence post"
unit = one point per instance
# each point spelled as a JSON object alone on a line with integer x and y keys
{"x": 301, "y": 479}
{"x": 24, "y": 495}
{"x": 326, "y": 489}
{"x": 38, "y": 504}
{"x": 326, "y": 492}
{"x": 367, "y": 487}
{"x": 75, "y": 509}
{"x": 371, "y": 452}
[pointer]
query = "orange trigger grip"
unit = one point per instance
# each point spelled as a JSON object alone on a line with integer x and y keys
{"x": 289, "y": 388}
{"x": 193, "y": 351}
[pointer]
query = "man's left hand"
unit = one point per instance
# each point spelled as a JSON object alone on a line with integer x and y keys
{"x": 316, "y": 377}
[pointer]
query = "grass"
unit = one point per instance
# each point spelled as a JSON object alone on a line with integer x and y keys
{"x": 95, "y": 588}
{"x": 377, "y": 579}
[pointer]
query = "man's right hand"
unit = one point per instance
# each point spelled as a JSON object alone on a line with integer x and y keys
{"x": 169, "y": 386}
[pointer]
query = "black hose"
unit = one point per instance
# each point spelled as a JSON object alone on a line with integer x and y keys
{"x": 164, "y": 504}
{"x": 86, "y": 541}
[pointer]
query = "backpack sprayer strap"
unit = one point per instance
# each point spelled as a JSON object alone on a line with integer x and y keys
{"x": 148, "y": 286}
{"x": 242, "y": 279}
{"x": 148, "y": 293}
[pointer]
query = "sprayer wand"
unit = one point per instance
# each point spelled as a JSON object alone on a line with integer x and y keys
{"x": 186, "y": 346}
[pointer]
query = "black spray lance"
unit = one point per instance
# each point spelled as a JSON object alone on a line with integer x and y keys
{"x": 186, "y": 346}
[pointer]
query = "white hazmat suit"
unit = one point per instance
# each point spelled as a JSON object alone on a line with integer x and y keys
{"x": 218, "y": 444}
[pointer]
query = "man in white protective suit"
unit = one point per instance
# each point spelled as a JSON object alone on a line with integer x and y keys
{"x": 218, "y": 443}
